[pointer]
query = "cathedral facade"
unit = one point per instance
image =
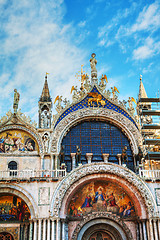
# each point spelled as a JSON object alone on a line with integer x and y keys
{"x": 89, "y": 172}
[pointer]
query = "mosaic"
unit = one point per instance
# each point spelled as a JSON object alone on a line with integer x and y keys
{"x": 17, "y": 141}
{"x": 13, "y": 208}
{"x": 84, "y": 104}
{"x": 101, "y": 196}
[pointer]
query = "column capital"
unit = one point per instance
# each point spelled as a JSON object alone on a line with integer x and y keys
{"x": 73, "y": 154}
{"x": 55, "y": 154}
{"x": 105, "y": 157}
{"x": 89, "y": 157}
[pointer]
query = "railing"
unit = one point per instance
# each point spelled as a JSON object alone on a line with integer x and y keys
{"x": 26, "y": 174}
{"x": 150, "y": 174}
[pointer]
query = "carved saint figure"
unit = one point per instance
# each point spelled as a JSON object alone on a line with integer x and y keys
{"x": 78, "y": 155}
{"x": 46, "y": 142}
{"x": 139, "y": 155}
{"x": 124, "y": 156}
{"x": 93, "y": 62}
{"x": 16, "y": 100}
{"x": 45, "y": 120}
{"x": 61, "y": 154}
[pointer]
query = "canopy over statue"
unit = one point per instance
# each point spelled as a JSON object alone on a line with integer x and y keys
{"x": 16, "y": 100}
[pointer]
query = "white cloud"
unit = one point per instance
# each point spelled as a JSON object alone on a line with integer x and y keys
{"x": 38, "y": 41}
{"x": 128, "y": 34}
{"x": 148, "y": 19}
{"x": 149, "y": 49}
{"x": 82, "y": 24}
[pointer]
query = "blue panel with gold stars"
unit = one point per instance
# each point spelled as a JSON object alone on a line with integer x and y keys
{"x": 94, "y": 99}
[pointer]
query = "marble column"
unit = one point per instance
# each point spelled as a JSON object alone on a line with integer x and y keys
{"x": 30, "y": 230}
{"x": 144, "y": 230}
{"x": 21, "y": 232}
{"x": 39, "y": 229}
{"x": 119, "y": 158}
{"x": 41, "y": 162}
{"x": 155, "y": 229}
{"x": 52, "y": 165}
{"x": 25, "y": 232}
{"x": 48, "y": 229}
{"x": 57, "y": 229}
{"x": 105, "y": 157}
{"x": 55, "y": 161}
{"x": 89, "y": 157}
{"x": 44, "y": 229}
{"x": 35, "y": 230}
{"x": 53, "y": 230}
{"x": 151, "y": 229}
{"x": 159, "y": 227}
{"x": 73, "y": 156}
{"x": 148, "y": 230}
{"x": 63, "y": 230}
{"x": 140, "y": 231}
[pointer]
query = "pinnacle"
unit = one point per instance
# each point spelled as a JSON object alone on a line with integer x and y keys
{"x": 142, "y": 91}
{"x": 45, "y": 96}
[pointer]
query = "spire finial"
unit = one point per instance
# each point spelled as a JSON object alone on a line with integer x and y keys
{"x": 46, "y": 75}
{"x": 140, "y": 77}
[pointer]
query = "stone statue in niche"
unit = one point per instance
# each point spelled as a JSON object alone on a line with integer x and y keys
{"x": 16, "y": 100}
{"x": 45, "y": 119}
{"x": 78, "y": 156}
{"x": 46, "y": 142}
{"x": 124, "y": 156}
{"x": 61, "y": 155}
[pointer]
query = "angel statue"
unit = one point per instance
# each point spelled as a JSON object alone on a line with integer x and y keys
{"x": 130, "y": 103}
{"x": 58, "y": 106}
{"x": 114, "y": 91}
{"x": 16, "y": 100}
{"x": 103, "y": 82}
{"x": 75, "y": 96}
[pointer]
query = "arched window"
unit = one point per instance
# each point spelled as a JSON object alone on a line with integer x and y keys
{"x": 12, "y": 166}
{"x": 96, "y": 137}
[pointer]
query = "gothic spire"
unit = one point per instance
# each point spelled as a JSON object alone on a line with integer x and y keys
{"x": 45, "y": 96}
{"x": 142, "y": 91}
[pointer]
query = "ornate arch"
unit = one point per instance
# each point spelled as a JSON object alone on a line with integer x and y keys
{"x": 66, "y": 186}
{"x": 106, "y": 218}
{"x": 119, "y": 120}
{"x": 22, "y": 193}
{"x": 23, "y": 128}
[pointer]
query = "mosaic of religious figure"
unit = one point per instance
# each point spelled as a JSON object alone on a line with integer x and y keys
{"x": 17, "y": 141}
{"x": 101, "y": 196}
{"x": 13, "y": 208}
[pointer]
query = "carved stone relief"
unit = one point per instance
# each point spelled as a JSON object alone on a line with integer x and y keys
{"x": 101, "y": 215}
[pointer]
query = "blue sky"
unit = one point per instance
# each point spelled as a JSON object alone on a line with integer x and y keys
{"x": 57, "y": 36}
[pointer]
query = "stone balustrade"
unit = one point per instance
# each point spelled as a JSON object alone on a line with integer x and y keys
{"x": 149, "y": 174}
{"x": 27, "y": 174}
